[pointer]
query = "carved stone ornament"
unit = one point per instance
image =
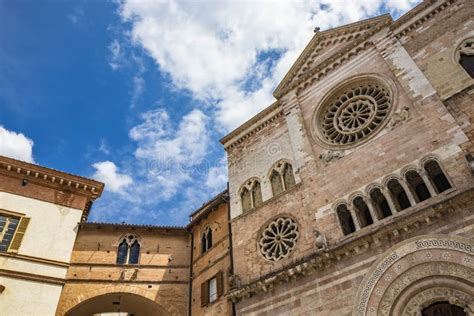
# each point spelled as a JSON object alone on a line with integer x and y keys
{"x": 353, "y": 112}
{"x": 331, "y": 155}
{"x": 320, "y": 241}
{"x": 399, "y": 117}
{"x": 417, "y": 273}
{"x": 279, "y": 238}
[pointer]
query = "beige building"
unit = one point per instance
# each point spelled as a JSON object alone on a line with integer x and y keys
{"x": 352, "y": 194}
{"x": 40, "y": 210}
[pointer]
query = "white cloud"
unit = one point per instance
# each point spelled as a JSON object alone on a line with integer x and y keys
{"x": 115, "y": 55}
{"x": 106, "y": 171}
{"x": 104, "y": 147}
{"x": 159, "y": 141}
{"x": 137, "y": 90}
{"x": 15, "y": 145}
{"x": 217, "y": 176}
{"x": 212, "y": 48}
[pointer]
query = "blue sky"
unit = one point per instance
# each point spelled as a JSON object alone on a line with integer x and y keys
{"x": 137, "y": 93}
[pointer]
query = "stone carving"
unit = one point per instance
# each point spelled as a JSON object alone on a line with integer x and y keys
{"x": 320, "y": 241}
{"x": 466, "y": 48}
{"x": 331, "y": 155}
{"x": 399, "y": 117}
{"x": 234, "y": 281}
{"x": 455, "y": 297}
{"x": 279, "y": 238}
{"x": 354, "y": 112}
{"x": 407, "y": 265}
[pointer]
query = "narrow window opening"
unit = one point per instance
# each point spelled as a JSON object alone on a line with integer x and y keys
{"x": 256, "y": 194}
{"x": 246, "y": 200}
{"x": 345, "y": 219}
{"x": 437, "y": 177}
{"x": 417, "y": 186}
{"x": 288, "y": 177}
{"x": 398, "y": 194}
{"x": 206, "y": 240}
{"x": 363, "y": 213}
{"x": 276, "y": 181}
{"x": 467, "y": 62}
{"x": 212, "y": 290}
{"x": 128, "y": 251}
{"x": 134, "y": 253}
{"x": 380, "y": 202}
{"x": 122, "y": 252}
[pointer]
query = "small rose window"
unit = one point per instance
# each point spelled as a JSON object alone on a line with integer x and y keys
{"x": 279, "y": 238}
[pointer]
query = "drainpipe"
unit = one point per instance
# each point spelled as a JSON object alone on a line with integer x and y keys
{"x": 231, "y": 248}
{"x": 191, "y": 275}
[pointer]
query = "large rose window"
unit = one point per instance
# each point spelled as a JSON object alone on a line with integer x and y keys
{"x": 279, "y": 238}
{"x": 354, "y": 112}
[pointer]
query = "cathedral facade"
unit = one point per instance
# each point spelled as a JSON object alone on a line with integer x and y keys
{"x": 352, "y": 194}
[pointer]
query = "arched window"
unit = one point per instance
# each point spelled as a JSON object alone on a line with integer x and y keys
{"x": 128, "y": 251}
{"x": 282, "y": 178}
{"x": 380, "y": 203}
{"x": 398, "y": 194}
{"x": 345, "y": 219}
{"x": 417, "y": 186}
{"x": 362, "y": 211}
{"x": 206, "y": 240}
{"x": 251, "y": 195}
{"x": 436, "y": 176}
{"x": 246, "y": 199}
{"x": 465, "y": 56}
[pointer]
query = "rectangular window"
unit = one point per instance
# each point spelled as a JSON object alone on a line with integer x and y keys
{"x": 212, "y": 290}
{"x": 12, "y": 230}
{"x": 8, "y": 225}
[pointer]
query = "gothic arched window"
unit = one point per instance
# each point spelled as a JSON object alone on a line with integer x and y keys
{"x": 465, "y": 56}
{"x": 128, "y": 251}
{"x": 282, "y": 178}
{"x": 206, "y": 240}
{"x": 437, "y": 176}
{"x": 251, "y": 195}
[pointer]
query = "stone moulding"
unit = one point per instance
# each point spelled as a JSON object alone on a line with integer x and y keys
{"x": 405, "y": 268}
{"x": 399, "y": 224}
{"x": 372, "y": 25}
{"x": 400, "y": 30}
{"x": 253, "y": 127}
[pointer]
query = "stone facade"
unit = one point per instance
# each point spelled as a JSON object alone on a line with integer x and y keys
{"x": 356, "y": 155}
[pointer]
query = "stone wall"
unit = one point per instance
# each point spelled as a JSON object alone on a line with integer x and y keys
{"x": 162, "y": 274}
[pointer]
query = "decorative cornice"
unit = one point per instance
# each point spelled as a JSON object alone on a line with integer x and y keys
{"x": 51, "y": 178}
{"x": 402, "y": 223}
{"x": 50, "y": 262}
{"x": 373, "y": 25}
{"x": 252, "y": 126}
{"x": 403, "y": 25}
{"x": 31, "y": 277}
{"x": 98, "y": 225}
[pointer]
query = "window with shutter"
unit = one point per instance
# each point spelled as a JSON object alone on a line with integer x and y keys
{"x": 212, "y": 290}
{"x": 220, "y": 283}
{"x": 204, "y": 294}
{"x": 12, "y": 230}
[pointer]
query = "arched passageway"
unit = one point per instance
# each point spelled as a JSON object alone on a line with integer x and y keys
{"x": 118, "y": 304}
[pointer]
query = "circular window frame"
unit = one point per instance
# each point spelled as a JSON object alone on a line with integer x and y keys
{"x": 334, "y": 93}
{"x": 266, "y": 225}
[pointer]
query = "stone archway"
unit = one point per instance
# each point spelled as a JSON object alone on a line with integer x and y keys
{"x": 418, "y": 272}
{"x": 118, "y": 302}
